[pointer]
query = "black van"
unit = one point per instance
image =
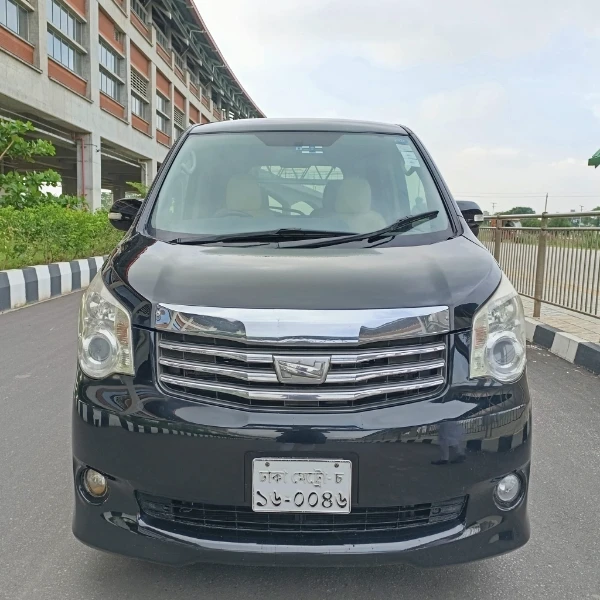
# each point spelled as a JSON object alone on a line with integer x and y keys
{"x": 301, "y": 354}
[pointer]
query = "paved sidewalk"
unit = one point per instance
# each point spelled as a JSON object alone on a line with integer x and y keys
{"x": 582, "y": 326}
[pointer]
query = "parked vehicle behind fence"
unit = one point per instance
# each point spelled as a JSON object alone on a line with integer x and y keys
{"x": 300, "y": 353}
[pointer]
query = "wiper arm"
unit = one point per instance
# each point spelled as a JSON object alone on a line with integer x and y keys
{"x": 291, "y": 233}
{"x": 400, "y": 226}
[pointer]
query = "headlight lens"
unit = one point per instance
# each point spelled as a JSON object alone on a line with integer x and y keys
{"x": 104, "y": 333}
{"x": 498, "y": 339}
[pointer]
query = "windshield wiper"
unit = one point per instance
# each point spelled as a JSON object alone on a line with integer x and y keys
{"x": 400, "y": 226}
{"x": 291, "y": 233}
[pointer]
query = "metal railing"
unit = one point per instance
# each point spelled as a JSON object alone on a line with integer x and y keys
{"x": 138, "y": 8}
{"x": 552, "y": 265}
{"x": 162, "y": 39}
{"x": 179, "y": 62}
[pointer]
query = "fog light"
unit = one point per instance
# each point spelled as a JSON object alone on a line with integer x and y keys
{"x": 508, "y": 491}
{"x": 95, "y": 483}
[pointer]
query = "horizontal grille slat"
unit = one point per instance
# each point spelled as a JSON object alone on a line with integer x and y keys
{"x": 240, "y": 523}
{"x": 319, "y": 394}
{"x": 263, "y": 376}
{"x": 336, "y": 357}
{"x": 227, "y": 373}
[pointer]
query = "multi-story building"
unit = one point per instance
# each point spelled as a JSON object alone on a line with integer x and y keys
{"x": 112, "y": 83}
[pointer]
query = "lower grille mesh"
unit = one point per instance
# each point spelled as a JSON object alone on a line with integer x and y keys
{"x": 362, "y": 525}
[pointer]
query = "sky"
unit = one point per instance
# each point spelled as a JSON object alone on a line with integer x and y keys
{"x": 504, "y": 94}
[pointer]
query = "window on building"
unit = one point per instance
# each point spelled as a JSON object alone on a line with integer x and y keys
{"x": 139, "y": 84}
{"x": 139, "y": 107}
{"x": 63, "y": 52}
{"x": 64, "y": 21}
{"x": 64, "y": 34}
{"x": 179, "y": 118}
{"x": 110, "y": 72}
{"x": 14, "y": 17}
{"x": 162, "y": 123}
{"x": 139, "y": 95}
{"x": 162, "y": 104}
{"x": 109, "y": 59}
{"x": 179, "y": 122}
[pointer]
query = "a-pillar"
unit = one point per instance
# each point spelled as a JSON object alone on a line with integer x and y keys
{"x": 89, "y": 169}
{"x": 149, "y": 169}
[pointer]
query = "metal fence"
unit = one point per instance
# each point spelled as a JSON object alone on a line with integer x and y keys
{"x": 138, "y": 8}
{"x": 179, "y": 62}
{"x": 162, "y": 39}
{"x": 558, "y": 265}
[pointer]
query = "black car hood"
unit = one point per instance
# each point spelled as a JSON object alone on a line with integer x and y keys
{"x": 457, "y": 273}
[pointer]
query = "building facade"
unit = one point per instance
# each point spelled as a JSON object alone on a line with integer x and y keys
{"x": 112, "y": 84}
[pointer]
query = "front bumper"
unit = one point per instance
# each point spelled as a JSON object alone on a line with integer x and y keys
{"x": 146, "y": 442}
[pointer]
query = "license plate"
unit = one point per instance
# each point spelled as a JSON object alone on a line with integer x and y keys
{"x": 301, "y": 485}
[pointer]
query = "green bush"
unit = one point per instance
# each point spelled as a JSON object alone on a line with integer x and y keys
{"x": 51, "y": 233}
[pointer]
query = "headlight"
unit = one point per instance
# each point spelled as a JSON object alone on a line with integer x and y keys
{"x": 105, "y": 345}
{"x": 498, "y": 338}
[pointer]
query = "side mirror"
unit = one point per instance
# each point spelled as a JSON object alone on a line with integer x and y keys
{"x": 472, "y": 214}
{"x": 123, "y": 212}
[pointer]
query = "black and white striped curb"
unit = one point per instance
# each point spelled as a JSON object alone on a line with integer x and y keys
{"x": 566, "y": 345}
{"x": 19, "y": 287}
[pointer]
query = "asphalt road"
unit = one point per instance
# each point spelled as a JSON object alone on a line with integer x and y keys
{"x": 39, "y": 558}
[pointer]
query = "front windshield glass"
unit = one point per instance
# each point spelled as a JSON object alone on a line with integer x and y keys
{"x": 227, "y": 183}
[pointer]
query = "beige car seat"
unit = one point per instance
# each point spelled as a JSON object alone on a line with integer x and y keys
{"x": 243, "y": 194}
{"x": 353, "y": 205}
{"x": 329, "y": 200}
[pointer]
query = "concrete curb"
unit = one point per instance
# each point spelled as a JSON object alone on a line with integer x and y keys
{"x": 20, "y": 287}
{"x": 566, "y": 345}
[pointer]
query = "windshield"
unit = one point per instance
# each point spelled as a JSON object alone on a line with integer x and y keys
{"x": 221, "y": 184}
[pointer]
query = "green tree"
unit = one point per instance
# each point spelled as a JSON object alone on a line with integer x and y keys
{"x": 106, "y": 199}
{"x": 592, "y": 221}
{"x": 560, "y": 222}
{"x": 519, "y": 210}
{"x": 530, "y": 222}
{"x": 140, "y": 189}
{"x": 19, "y": 188}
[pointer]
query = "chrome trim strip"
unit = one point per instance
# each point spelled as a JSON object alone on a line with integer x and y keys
{"x": 336, "y": 359}
{"x": 367, "y": 355}
{"x": 366, "y": 374}
{"x": 303, "y": 327}
{"x": 332, "y": 377}
{"x": 302, "y": 396}
{"x": 234, "y": 372}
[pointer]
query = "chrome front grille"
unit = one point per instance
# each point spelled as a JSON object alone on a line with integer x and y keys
{"x": 232, "y": 372}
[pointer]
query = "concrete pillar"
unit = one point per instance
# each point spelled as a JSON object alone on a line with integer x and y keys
{"x": 38, "y": 34}
{"x": 91, "y": 60}
{"x": 89, "y": 169}
{"x": 152, "y": 99}
{"x": 149, "y": 169}
{"x": 126, "y": 76}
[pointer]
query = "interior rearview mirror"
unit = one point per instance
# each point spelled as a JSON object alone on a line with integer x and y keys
{"x": 123, "y": 212}
{"x": 472, "y": 214}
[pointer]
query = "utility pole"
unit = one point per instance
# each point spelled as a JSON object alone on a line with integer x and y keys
{"x": 546, "y": 205}
{"x": 493, "y": 208}
{"x": 581, "y": 210}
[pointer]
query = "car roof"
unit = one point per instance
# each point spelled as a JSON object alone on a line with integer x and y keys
{"x": 337, "y": 125}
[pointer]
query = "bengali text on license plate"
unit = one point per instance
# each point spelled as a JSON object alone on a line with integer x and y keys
{"x": 300, "y": 485}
